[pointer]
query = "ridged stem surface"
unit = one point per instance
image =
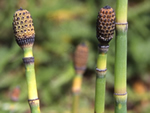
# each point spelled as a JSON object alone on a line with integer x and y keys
{"x": 120, "y": 92}
{"x": 121, "y": 11}
{"x": 100, "y": 83}
{"x": 31, "y": 82}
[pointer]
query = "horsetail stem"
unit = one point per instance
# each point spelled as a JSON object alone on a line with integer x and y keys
{"x": 104, "y": 29}
{"x": 120, "y": 92}
{"x": 80, "y": 60}
{"x": 25, "y": 34}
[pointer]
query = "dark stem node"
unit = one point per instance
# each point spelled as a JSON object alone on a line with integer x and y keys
{"x": 28, "y": 60}
{"x": 103, "y": 48}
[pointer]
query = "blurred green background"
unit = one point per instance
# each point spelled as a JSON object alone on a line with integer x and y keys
{"x": 60, "y": 25}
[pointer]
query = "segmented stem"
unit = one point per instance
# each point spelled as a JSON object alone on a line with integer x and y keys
{"x": 120, "y": 92}
{"x": 80, "y": 60}
{"x": 25, "y": 34}
{"x": 101, "y": 79}
{"x": 31, "y": 81}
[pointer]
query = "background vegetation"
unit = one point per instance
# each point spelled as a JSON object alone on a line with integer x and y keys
{"x": 60, "y": 25}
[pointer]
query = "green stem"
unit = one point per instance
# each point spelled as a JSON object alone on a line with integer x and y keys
{"x": 121, "y": 11}
{"x": 121, "y": 103}
{"x": 101, "y": 80}
{"x": 120, "y": 60}
{"x": 120, "y": 70}
{"x": 120, "y": 92}
{"x": 100, "y": 94}
{"x": 28, "y": 52}
{"x": 76, "y": 92}
{"x": 34, "y": 106}
{"x": 75, "y": 103}
{"x": 31, "y": 80}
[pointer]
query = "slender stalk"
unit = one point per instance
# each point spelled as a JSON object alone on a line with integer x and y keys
{"x": 120, "y": 92}
{"x": 101, "y": 79}
{"x": 75, "y": 107}
{"x": 31, "y": 80}
{"x": 105, "y": 29}
{"x": 76, "y": 92}
{"x": 80, "y": 60}
{"x": 30, "y": 76}
{"x": 24, "y": 33}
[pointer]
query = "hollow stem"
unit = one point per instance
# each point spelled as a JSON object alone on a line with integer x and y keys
{"x": 121, "y": 11}
{"x": 120, "y": 92}
{"x": 101, "y": 79}
{"x": 31, "y": 80}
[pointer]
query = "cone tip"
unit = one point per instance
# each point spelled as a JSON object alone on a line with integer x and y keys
{"x": 107, "y": 7}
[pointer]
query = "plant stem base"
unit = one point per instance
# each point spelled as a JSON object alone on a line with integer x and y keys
{"x": 121, "y": 103}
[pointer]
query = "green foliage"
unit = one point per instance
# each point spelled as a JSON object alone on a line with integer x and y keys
{"x": 59, "y": 26}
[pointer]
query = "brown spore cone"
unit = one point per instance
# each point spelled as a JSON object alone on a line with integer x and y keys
{"x": 23, "y": 28}
{"x": 80, "y": 58}
{"x": 105, "y": 25}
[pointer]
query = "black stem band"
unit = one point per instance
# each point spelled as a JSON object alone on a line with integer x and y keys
{"x": 120, "y": 94}
{"x": 101, "y": 70}
{"x": 33, "y": 99}
{"x": 103, "y": 48}
{"x": 28, "y": 60}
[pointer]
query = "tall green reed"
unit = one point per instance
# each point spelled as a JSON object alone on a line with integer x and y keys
{"x": 120, "y": 92}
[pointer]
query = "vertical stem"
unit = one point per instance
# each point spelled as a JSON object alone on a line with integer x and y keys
{"x": 31, "y": 80}
{"x": 80, "y": 60}
{"x": 121, "y": 11}
{"x": 28, "y": 52}
{"x": 101, "y": 79}
{"x": 75, "y": 103}
{"x": 34, "y": 106}
{"x": 120, "y": 61}
{"x": 100, "y": 95}
{"x": 120, "y": 71}
{"x": 120, "y": 92}
{"x": 76, "y": 92}
{"x": 25, "y": 34}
